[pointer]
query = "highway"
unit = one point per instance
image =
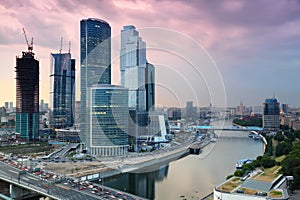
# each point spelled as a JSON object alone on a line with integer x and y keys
{"x": 34, "y": 183}
{"x": 64, "y": 190}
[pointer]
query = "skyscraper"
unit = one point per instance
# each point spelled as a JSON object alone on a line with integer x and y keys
{"x": 27, "y": 96}
{"x": 150, "y": 86}
{"x": 271, "y": 114}
{"x": 132, "y": 67}
{"x": 108, "y": 120}
{"x": 95, "y": 63}
{"x": 62, "y": 90}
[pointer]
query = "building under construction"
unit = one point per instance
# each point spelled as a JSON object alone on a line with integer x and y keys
{"x": 27, "y": 95}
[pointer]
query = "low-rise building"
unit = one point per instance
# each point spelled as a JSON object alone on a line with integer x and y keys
{"x": 256, "y": 185}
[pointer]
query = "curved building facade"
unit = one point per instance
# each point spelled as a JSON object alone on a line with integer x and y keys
{"x": 95, "y": 63}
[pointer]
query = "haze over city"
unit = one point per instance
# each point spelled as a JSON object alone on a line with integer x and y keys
{"x": 254, "y": 44}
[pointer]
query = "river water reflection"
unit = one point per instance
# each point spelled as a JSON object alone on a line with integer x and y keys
{"x": 194, "y": 176}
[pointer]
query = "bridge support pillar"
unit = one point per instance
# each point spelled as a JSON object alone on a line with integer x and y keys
{"x": 20, "y": 193}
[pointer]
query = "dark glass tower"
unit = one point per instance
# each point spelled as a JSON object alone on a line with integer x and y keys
{"x": 27, "y": 97}
{"x": 62, "y": 90}
{"x": 95, "y": 63}
{"x": 150, "y": 86}
{"x": 271, "y": 114}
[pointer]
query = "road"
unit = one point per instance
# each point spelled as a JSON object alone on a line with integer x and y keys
{"x": 27, "y": 180}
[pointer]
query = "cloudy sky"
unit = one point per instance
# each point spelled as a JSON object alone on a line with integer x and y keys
{"x": 254, "y": 46}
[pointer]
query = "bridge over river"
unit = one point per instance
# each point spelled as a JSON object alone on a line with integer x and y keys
{"x": 231, "y": 128}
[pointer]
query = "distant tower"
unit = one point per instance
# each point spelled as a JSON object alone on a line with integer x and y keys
{"x": 241, "y": 109}
{"x": 62, "y": 90}
{"x": 271, "y": 114}
{"x": 95, "y": 64}
{"x": 27, "y": 96}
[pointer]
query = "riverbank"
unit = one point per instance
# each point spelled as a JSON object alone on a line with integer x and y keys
{"x": 133, "y": 162}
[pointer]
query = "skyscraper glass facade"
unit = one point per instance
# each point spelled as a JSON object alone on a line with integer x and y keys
{"x": 132, "y": 67}
{"x": 95, "y": 63}
{"x": 271, "y": 114}
{"x": 62, "y": 90}
{"x": 108, "y": 120}
{"x": 150, "y": 86}
{"x": 27, "y": 97}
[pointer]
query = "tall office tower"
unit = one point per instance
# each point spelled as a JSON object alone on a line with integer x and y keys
{"x": 132, "y": 66}
{"x": 27, "y": 96}
{"x": 150, "y": 86}
{"x": 108, "y": 120}
{"x": 271, "y": 114}
{"x": 62, "y": 90}
{"x": 95, "y": 63}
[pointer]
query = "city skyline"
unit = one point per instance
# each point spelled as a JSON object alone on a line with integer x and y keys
{"x": 256, "y": 54}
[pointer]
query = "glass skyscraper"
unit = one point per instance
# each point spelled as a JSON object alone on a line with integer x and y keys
{"x": 27, "y": 97}
{"x": 62, "y": 90}
{"x": 95, "y": 63}
{"x": 132, "y": 67}
{"x": 108, "y": 120}
{"x": 271, "y": 119}
{"x": 150, "y": 86}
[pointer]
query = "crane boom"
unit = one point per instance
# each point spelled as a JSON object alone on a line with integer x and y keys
{"x": 30, "y": 46}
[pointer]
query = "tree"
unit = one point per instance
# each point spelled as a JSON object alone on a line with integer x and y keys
{"x": 279, "y": 137}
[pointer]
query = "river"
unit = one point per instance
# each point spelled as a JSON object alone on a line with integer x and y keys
{"x": 194, "y": 176}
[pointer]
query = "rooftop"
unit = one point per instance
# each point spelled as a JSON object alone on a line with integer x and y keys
{"x": 259, "y": 183}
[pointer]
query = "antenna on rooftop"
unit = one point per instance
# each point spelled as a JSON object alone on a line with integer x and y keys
{"x": 61, "y": 43}
{"x": 69, "y": 46}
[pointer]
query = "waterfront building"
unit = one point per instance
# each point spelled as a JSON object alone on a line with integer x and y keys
{"x": 27, "y": 96}
{"x": 95, "y": 63}
{"x": 271, "y": 119}
{"x": 254, "y": 187}
{"x": 62, "y": 90}
{"x": 150, "y": 86}
{"x": 108, "y": 120}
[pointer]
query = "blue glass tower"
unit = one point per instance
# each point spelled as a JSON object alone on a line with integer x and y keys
{"x": 271, "y": 119}
{"x": 95, "y": 64}
{"x": 62, "y": 90}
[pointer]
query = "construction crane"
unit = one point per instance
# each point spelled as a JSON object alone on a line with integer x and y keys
{"x": 30, "y": 46}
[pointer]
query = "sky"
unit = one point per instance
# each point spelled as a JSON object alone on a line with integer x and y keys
{"x": 220, "y": 52}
